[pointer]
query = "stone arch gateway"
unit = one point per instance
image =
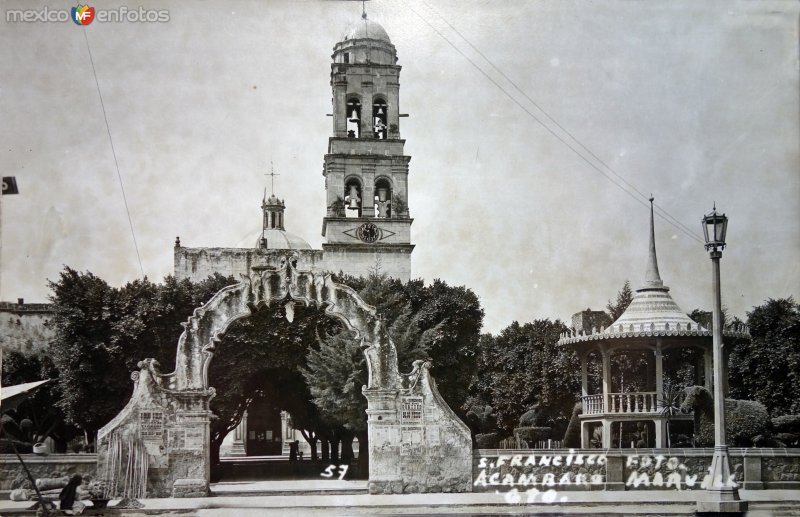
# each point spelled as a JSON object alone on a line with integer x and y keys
{"x": 158, "y": 445}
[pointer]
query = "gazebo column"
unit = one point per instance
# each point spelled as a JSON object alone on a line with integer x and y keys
{"x": 607, "y": 433}
{"x": 661, "y": 429}
{"x": 585, "y": 438}
{"x": 659, "y": 373}
{"x": 606, "y": 354}
{"x": 661, "y": 433}
{"x": 707, "y": 370}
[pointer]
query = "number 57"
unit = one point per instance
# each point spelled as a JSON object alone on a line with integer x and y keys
{"x": 328, "y": 472}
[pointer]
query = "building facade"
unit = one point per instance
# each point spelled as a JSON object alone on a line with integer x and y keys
{"x": 367, "y": 222}
{"x": 367, "y": 226}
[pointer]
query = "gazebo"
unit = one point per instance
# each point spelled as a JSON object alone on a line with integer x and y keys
{"x": 653, "y": 323}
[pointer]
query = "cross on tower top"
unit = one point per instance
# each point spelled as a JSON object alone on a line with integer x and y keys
{"x": 272, "y": 178}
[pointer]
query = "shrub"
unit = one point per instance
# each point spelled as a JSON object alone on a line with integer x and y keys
{"x": 487, "y": 440}
{"x": 572, "y": 437}
{"x": 528, "y": 436}
{"x": 786, "y": 424}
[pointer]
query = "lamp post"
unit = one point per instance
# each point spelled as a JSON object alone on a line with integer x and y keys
{"x": 723, "y": 495}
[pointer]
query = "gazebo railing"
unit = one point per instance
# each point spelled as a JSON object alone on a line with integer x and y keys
{"x": 592, "y": 404}
{"x": 635, "y": 402}
{"x": 622, "y": 403}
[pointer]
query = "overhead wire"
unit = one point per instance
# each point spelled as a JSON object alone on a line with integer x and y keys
{"x": 627, "y": 187}
{"x": 114, "y": 153}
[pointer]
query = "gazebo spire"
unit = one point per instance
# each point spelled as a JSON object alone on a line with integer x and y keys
{"x": 652, "y": 278}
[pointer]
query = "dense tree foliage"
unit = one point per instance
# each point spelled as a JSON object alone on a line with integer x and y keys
{"x": 101, "y": 332}
{"x": 437, "y": 322}
{"x": 767, "y": 368}
{"x": 523, "y": 367}
{"x": 263, "y": 356}
{"x": 40, "y": 409}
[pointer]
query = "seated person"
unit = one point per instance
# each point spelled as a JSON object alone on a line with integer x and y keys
{"x": 69, "y": 497}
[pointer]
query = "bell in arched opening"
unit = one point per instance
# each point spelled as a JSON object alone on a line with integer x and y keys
{"x": 352, "y": 198}
{"x": 354, "y": 118}
{"x": 383, "y": 198}
{"x": 379, "y": 118}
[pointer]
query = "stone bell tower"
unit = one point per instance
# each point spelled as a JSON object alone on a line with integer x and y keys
{"x": 366, "y": 173}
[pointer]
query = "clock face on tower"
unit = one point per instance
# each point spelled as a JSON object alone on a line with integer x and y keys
{"x": 368, "y": 233}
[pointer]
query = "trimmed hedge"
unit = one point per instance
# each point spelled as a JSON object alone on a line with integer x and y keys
{"x": 487, "y": 440}
{"x": 786, "y": 424}
{"x": 744, "y": 419}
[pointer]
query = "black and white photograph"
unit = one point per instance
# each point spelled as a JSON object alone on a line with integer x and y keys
{"x": 400, "y": 257}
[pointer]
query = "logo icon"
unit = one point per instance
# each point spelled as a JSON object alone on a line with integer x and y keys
{"x": 83, "y": 14}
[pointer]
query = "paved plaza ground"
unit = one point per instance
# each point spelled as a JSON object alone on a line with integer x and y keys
{"x": 347, "y": 498}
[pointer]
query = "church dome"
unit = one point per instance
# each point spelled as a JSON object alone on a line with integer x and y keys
{"x": 276, "y": 240}
{"x": 282, "y": 240}
{"x": 365, "y": 29}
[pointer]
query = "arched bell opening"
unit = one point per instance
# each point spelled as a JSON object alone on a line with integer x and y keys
{"x": 379, "y": 118}
{"x": 352, "y": 197}
{"x": 383, "y": 198}
{"x": 353, "y": 113}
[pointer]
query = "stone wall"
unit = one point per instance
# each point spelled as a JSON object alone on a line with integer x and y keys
{"x": 197, "y": 264}
{"x": 167, "y": 430}
{"x": 416, "y": 443}
{"x": 25, "y": 327}
{"x": 629, "y": 469}
{"x": 395, "y": 261}
{"x": 13, "y": 476}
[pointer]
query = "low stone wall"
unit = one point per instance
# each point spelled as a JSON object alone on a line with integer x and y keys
{"x": 13, "y": 476}
{"x": 628, "y": 469}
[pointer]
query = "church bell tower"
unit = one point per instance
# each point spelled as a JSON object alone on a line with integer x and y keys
{"x": 367, "y": 224}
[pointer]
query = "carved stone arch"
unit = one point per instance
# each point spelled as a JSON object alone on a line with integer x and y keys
{"x": 265, "y": 288}
{"x": 416, "y": 443}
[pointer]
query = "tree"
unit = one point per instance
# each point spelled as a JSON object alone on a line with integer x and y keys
{"x": 40, "y": 410}
{"x": 101, "y": 333}
{"x": 438, "y": 322}
{"x": 448, "y": 318}
{"x": 624, "y": 299}
{"x": 523, "y": 367}
{"x": 263, "y": 355}
{"x": 767, "y": 368}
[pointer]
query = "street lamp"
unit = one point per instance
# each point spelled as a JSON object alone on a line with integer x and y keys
{"x": 723, "y": 495}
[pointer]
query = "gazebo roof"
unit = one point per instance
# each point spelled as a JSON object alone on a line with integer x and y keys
{"x": 652, "y": 312}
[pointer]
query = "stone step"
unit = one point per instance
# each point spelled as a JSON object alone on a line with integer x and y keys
{"x": 290, "y": 487}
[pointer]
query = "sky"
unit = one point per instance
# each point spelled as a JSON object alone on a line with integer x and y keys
{"x": 694, "y": 102}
